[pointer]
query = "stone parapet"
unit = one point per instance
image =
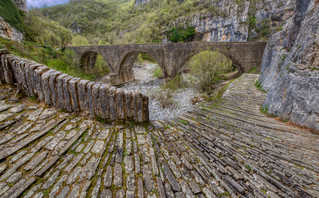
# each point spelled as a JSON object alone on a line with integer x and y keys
{"x": 72, "y": 94}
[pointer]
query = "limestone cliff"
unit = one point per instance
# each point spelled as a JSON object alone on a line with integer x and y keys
{"x": 290, "y": 68}
{"x": 233, "y": 20}
{"x": 21, "y": 4}
{"x": 141, "y": 2}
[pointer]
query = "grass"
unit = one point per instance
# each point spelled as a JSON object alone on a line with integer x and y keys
{"x": 259, "y": 86}
{"x": 158, "y": 72}
{"x": 183, "y": 122}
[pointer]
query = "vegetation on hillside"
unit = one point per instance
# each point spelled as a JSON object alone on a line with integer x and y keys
{"x": 119, "y": 22}
{"x": 44, "y": 40}
{"x": 10, "y": 13}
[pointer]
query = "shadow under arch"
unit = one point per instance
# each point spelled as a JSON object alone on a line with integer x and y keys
{"x": 224, "y": 52}
{"x": 88, "y": 61}
{"x": 125, "y": 72}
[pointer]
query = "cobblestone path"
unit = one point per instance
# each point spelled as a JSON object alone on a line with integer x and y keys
{"x": 223, "y": 149}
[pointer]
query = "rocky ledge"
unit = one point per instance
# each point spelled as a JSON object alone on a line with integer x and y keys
{"x": 225, "y": 148}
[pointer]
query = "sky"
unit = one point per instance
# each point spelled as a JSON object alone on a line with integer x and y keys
{"x": 41, "y": 3}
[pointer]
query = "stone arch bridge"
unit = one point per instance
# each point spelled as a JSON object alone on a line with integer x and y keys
{"x": 171, "y": 57}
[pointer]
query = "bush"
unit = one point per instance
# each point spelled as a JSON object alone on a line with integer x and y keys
{"x": 180, "y": 35}
{"x": 165, "y": 97}
{"x": 174, "y": 83}
{"x": 158, "y": 72}
{"x": 207, "y": 69}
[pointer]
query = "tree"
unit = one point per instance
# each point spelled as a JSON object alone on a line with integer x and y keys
{"x": 206, "y": 69}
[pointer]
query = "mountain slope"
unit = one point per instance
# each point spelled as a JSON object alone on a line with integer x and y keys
{"x": 112, "y": 21}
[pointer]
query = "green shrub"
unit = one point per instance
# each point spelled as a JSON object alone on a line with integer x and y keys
{"x": 165, "y": 97}
{"x": 158, "y": 73}
{"x": 10, "y": 13}
{"x": 174, "y": 83}
{"x": 180, "y": 35}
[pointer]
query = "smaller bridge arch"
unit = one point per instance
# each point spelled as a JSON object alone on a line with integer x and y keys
{"x": 125, "y": 73}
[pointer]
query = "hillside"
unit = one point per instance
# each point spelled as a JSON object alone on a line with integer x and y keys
{"x": 116, "y": 22}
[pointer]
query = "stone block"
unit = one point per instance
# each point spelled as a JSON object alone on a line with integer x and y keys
{"x": 134, "y": 106}
{"x": 104, "y": 103}
{"x": 66, "y": 94}
{"x": 128, "y": 104}
{"x": 111, "y": 98}
{"x": 53, "y": 87}
{"x": 46, "y": 86}
{"x": 139, "y": 107}
{"x": 7, "y": 71}
{"x": 24, "y": 84}
{"x": 2, "y": 79}
{"x": 145, "y": 108}
{"x": 73, "y": 93}
{"x": 29, "y": 67}
{"x": 119, "y": 98}
{"x": 37, "y": 73}
{"x": 90, "y": 98}
{"x": 96, "y": 99}
{"x": 83, "y": 95}
{"x": 60, "y": 100}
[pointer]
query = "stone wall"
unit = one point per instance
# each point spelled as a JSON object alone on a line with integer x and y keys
{"x": 70, "y": 93}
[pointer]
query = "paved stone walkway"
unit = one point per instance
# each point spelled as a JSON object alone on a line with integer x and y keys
{"x": 224, "y": 149}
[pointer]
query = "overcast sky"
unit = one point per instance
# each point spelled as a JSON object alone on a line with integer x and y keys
{"x": 41, "y": 3}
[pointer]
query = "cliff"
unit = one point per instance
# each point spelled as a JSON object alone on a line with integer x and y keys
{"x": 21, "y": 4}
{"x": 290, "y": 68}
{"x": 141, "y": 2}
{"x": 243, "y": 20}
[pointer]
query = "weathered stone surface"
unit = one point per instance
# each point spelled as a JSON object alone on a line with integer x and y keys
{"x": 90, "y": 98}
{"x": 106, "y": 194}
{"x": 47, "y": 113}
{"x": 290, "y": 68}
{"x": 103, "y": 105}
{"x": 111, "y": 99}
{"x": 60, "y": 91}
{"x": 98, "y": 146}
{"x": 118, "y": 180}
{"x": 14, "y": 178}
{"x": 73, "y": 83}
{"x": 128, "y": 161}
{"x": 36, "y": 161}
{"x": 96, "y": 103}
{"x": 66, "y": 94}
{"x": 171, "y": 178}
{"x": 108, "y": 177}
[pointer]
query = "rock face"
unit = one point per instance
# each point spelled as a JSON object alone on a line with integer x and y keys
{"x": 141, "y": 2}
{"x": 232, "y": 20}
{"x": 8, "y": 32}
{"x": 21, "y": 4}
{"x": 290, "y": 68}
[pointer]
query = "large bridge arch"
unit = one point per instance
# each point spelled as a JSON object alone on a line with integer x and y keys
{"x": 224, "y": 52}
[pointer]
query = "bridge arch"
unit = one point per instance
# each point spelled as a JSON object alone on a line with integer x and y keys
{"x": 88, "y": 61}
{"x": 223, "y": 51}
{"x": 125, "y": 72}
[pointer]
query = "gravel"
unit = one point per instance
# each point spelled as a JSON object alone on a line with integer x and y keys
{"x": 148, "y": 85}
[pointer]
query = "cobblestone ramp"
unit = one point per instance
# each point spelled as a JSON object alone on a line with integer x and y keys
{"x": 223, "y": 149}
